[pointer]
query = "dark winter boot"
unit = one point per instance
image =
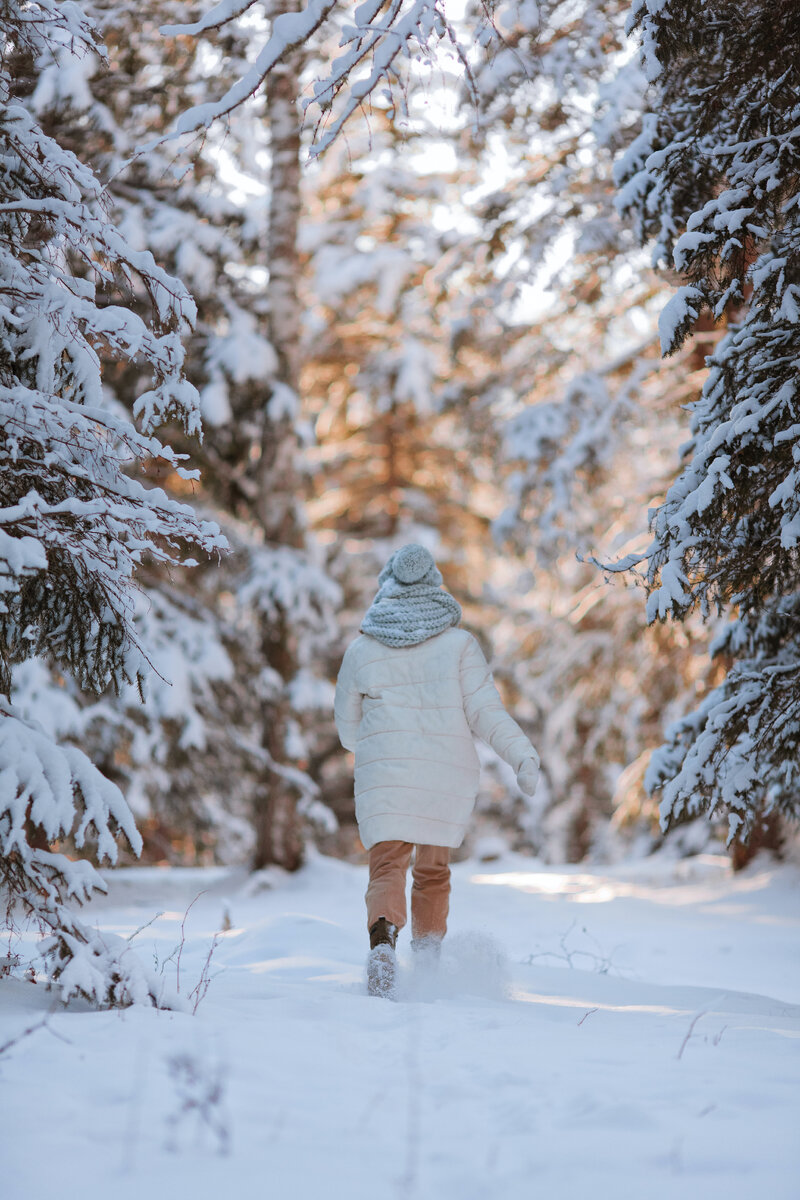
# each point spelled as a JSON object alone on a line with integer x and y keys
{"x": 381, "y": 964}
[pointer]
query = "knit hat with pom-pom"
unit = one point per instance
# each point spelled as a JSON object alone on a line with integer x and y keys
{"x": 410, "y": 606}
{"x": 412, "y": 563}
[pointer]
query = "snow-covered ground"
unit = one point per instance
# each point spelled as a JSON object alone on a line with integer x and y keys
{"x": 605, "y": 1033}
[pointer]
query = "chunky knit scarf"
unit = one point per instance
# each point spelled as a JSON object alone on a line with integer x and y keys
{"x": 410, "y": 606}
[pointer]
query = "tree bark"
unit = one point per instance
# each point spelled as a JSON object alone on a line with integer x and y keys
{"x": 280, "y": 479}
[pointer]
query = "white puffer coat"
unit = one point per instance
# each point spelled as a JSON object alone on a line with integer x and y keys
{"x": 409, "y": 714}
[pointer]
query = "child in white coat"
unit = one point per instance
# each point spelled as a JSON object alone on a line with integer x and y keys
{"x": 411, "y": 692}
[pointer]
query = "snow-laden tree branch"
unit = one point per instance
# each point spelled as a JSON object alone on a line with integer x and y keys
{"x": 714, "y": 181}
{"x": 375, "y": 33}
{"x": 76, "y": 517}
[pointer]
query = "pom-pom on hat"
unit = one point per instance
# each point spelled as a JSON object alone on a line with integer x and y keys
{"x": 411, "y": 566}
{"x": 412, "y": 563}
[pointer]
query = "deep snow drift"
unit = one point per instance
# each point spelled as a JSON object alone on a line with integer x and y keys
{"x": 606, "y": 1034}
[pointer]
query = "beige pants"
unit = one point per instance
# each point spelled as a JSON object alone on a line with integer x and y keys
{"x": 430, "y": 891}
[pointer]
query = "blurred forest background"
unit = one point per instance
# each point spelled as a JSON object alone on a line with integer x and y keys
{"x": 440, "y": 330}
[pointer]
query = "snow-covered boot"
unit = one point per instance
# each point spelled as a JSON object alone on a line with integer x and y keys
{"x": 381, "y": 964}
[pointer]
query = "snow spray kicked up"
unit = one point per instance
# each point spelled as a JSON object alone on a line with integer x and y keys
{"x": 471, "y": 963}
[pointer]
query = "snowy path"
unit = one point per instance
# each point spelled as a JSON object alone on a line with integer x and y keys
{"x": 642, "y": 1041}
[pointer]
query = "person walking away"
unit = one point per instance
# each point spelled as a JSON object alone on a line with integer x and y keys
{"x": 412, "y": 691}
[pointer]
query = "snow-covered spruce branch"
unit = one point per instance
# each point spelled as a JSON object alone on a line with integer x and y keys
{"x": 404, "y": 30}
{"x": 68, "y": 511}
{"x": 75, "y": 522}
{"x": 563, "y": 440}
{"x": 714, "y": 181}
{"x": 300, "y": 779}
{"x": 221, "y": 14}
{"x": 69, "y": 243}
{"x": 743, "y": 739}
{"x": 42, "y": 21}
{"x": 381, "y": 30}
{"x": 57, "y": 791}
{"x": 289, "y": 32}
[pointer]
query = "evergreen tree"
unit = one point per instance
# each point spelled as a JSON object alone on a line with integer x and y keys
{"x": 713, "y": 179}
{"x": 225, "y": 724}
{"x": 77, "y": 514}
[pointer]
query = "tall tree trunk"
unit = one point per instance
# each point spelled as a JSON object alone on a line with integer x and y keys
{"x": 280, "y": 480}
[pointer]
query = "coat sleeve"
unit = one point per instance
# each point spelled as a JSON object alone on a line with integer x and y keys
{"x": 485, "y": 712}
{"x": 347, "y": 703}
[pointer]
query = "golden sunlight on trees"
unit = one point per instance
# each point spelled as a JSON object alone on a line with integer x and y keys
{"x": 422, "y": 312}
